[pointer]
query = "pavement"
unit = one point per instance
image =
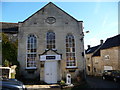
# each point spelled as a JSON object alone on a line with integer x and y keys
{"x": 42, "y": 86}
{"x": 52, "y": 87}
{"x": 93, "y": 82}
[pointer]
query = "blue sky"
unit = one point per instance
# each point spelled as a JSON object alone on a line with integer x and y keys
{"x": 100, "y": 18}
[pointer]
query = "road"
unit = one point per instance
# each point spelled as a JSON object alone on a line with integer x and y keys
{"x": 97, "y": 82}
{"x": 93, "y": 82}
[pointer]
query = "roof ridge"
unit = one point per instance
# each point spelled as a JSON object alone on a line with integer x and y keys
{"x": 113, "y": 36}
{"x": 9, "y": 22}
{"x": 112, "y": 42}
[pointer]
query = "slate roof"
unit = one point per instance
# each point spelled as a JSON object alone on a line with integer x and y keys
{"x": 97, "y": 53}
{"x": 112, "y": 42}
{"x": 92, "y": 49}
{"x": 9, "y": 27}
{"x": 55, "y": 51}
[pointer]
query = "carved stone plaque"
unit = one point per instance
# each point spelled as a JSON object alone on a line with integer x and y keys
{"x": 50, "y": 20}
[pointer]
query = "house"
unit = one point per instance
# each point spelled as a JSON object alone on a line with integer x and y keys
{"x": 103, "y": 57}
{"x": 110, "y": 53}
{"x": 10, "y": 29}
{"x": 92, "y": 58}
{"x": 50, "y": 45}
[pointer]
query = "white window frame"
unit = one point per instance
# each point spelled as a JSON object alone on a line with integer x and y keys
{"x": 31, "y": 53}
{"x": 71, "y": 53}
{"x": 107, "y": 57}
{"x": 53, "y": 43}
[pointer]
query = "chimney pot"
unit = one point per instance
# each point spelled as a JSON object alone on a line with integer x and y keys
{"x": 101, "y": 41}
{"x": 88, "y": 46}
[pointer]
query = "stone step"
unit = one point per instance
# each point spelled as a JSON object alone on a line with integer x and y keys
{"x": 42, "y": 86}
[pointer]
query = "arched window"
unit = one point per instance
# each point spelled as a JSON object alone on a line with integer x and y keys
{"x": 31, "y": 51}
{"x": 50, "y": 40}
{"x": 70, "y": 51}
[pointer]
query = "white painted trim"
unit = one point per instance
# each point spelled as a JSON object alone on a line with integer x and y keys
{"x": 43, "y": 57}
{"x": 71, "y": 66}
{"x": 108, "y": 68}
{"x": 31, "y": 68}
{"x": 107, "y": 57}
{"x": 5, "y": 67}
{"x": 46, "y": 40}
{"x": 27, "y": 48}
{"x": 8, "y": 69}
{"x": 74, "y": 52}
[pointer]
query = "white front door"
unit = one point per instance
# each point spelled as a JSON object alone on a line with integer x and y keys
{"x": 50, "y": 72}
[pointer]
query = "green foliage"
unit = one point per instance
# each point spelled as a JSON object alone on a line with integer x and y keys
{"x": 6, "y": 63}
{"x": 12, "y": 75}
{"x": 9, "y": 54}
{"x": 62, "y": 82}
{"x": 9, "y": 51}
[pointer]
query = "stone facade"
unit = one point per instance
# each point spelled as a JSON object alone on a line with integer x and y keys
{"x": 91, "y": 60}
{"x": 89, "y": 64}
{"x": 50, "y": 18}
{"x": 110, "y": 57}
{"x": 103, "y": 57}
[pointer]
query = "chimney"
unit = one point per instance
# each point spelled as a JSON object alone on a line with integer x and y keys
{"x": 88, "y": 46}
{"x": 101, "y": 41}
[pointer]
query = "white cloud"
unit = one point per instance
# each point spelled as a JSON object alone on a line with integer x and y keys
{"x": 91, "y": 41}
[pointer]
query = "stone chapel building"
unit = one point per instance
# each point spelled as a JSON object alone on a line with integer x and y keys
{"x": 50, "y": 45}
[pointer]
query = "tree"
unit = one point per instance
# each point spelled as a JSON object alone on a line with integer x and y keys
{"x": 9, "y": 51}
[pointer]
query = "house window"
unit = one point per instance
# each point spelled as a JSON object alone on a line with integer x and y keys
{"x": 94, "y": 69}
{"x": 70, "y": 51}
{"x": 50, "y": 40}
{"x": 88, "y": 59}
{"x": 107, "y": 57}
{"x": 96, "y": 61}
{"x": 31, "y": 51}
{"x": 88, "y": 68}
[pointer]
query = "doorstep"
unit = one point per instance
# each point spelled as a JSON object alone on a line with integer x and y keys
{"x": 42, "y": 86}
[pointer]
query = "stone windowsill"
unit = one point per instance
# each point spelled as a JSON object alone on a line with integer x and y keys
{"x": 72, "y": 67}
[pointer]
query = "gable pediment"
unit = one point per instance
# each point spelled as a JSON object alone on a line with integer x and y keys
{"x": 48, "y": 12}
{"x": 50, "y": 52}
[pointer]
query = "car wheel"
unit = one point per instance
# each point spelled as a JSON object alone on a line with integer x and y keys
{"x": 115, "y": 80}
{"x": 103, "y": 78}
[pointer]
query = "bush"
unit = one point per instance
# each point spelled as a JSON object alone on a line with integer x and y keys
{"x": 62, "y": 82}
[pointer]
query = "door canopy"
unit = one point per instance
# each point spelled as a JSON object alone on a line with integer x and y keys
{"x": 50, "y": 55}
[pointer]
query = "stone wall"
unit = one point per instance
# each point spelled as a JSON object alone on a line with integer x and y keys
{"x": 37, "y": 25}
{"x": 112, "y": 59}
{"x": 108, "y": 57}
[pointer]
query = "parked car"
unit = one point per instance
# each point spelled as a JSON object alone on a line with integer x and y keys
{"x": 111, "y": 75}
{"x": 11, "y": 84}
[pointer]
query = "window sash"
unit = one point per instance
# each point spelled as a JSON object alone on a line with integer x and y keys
{"x": 50, "y": 40}
{"x": 70, "y": 51}
{"x": 31, "y": 51}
